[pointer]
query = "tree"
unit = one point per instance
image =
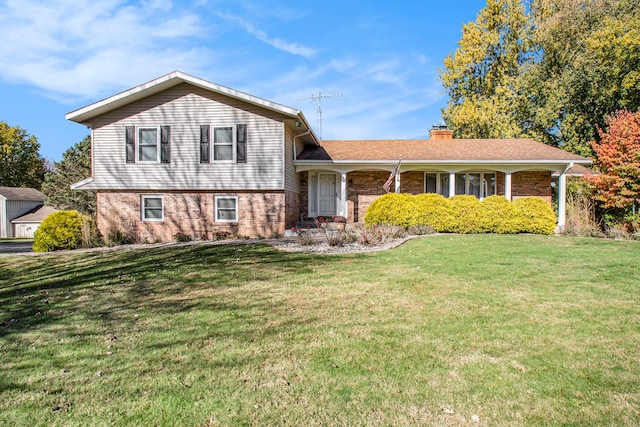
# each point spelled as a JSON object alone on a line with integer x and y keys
{"x": 618, "y": 158}
{"x": 74, "y": 167}
{"x": 20, "y": 162}
{"x": 551, "y": 70}
{"x": 481, "y": 76}
{"x": 586, "y": 68}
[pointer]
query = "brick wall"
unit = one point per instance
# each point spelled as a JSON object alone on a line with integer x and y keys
{"x": 362, "y": 189}
{"x": 528, "y": 183}
{"x": 191, "y": 213}
{"x": 412, "y": 182}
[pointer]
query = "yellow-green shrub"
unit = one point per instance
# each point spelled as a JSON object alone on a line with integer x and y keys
{"x": 390, "y": 209}
{"x": 432, "y": 210}
{"x": 60, "y": 230}
{"x": 463, "y": 213}
{"x": 467, "y": 214}
{"x": 536, "y": 215}
{"x": 500, "y": 216}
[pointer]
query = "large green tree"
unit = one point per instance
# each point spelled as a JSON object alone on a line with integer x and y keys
{"x": 21, "y": 164}
{"x": 577, "y": 62}
{"x": 74, "y": 167}
{"x": 587, "y": 67}
{"x": 481, "y": 76}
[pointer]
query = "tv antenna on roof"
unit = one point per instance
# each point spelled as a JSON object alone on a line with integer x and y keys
{"x": 318, "y": 98}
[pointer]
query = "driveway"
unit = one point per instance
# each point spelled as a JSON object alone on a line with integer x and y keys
{"x": 15, "y": 246}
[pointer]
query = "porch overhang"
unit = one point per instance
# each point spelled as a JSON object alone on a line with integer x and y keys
{"x": 506, "y": 166}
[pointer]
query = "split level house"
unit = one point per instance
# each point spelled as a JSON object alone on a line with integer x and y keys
{"x": 180, "y": 154}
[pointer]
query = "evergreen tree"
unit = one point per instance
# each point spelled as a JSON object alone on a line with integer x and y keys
{"x": 74, "y": 167}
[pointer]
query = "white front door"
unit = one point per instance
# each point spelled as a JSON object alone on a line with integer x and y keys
{"x": 327, "y": 194}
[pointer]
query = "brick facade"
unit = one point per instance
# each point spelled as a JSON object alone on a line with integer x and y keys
{"x": 260, "y": 214}
{"x": 364, "y": 187}
{"x": 528, "y": 183}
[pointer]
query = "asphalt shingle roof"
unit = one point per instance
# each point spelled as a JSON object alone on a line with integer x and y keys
{"x": 17, "y": 193}
{"x": 437, "y": 150}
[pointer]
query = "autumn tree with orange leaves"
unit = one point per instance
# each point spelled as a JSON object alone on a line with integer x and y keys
{"x": 618, "y": 159}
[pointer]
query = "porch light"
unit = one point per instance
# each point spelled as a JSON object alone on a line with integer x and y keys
{"x": 303, "y": 182}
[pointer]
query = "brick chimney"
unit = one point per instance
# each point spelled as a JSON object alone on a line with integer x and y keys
{"x": 440, "y": 132}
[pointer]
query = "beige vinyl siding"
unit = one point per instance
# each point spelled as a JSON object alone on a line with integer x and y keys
{"x": 185, "y": 108}
{"x": 291, "y": 181}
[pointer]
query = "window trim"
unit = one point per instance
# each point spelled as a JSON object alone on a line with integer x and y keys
{"x": 143, "y": 208}
{"x": 215, "y": 208}
{"x": 138, "y": 145}
{"x": 234, "y": 143}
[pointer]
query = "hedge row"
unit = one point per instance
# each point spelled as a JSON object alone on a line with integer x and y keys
{"x": 463, "y": 214}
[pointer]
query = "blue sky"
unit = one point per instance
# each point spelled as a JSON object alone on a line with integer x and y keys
{"x": 381, "y": 56}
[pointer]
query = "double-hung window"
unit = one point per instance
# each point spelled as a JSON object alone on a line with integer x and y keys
{"x": 148, "y": 144}
{"x": 226, "y": 208}
{"x": 223, "y": 143}
{"x": 152, "y": 208}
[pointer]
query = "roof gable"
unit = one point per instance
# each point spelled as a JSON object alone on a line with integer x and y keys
{"x": 83, "y": 115}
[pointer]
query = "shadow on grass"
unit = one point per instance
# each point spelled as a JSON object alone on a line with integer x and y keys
{"x": 41, "y": 290}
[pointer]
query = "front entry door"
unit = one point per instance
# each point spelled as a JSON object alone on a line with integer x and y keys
{"x": 327, "y": 194}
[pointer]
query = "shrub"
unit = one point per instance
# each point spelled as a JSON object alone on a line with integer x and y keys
{"x": 181, "y": 237}
{"x": 467, "y": 215}
{"x": 459, "y": 214}
{"x": 536, "y": 216}
{"x": 499, "y": 216}
{"x": 60, "y": 230}
{"x": 391, "y": 209}
{"x": 432, "y": 210}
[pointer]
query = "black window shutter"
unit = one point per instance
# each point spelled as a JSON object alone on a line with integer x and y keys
{"x": 131, "y": 144}
{"x": 165, "y": 144}
{"x": 204, "y": 144}
{"x": 241, "y": 144}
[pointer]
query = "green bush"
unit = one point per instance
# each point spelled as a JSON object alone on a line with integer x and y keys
{"x": 462, "y": 214}
{"x": 467, "y": 215}
{"x": 499, "y": 216}
{"x": 536, "y": 215}
{"x": 391, "y": 209}
{"x": 61, "y": 230}
{"x": 433, "y": 210}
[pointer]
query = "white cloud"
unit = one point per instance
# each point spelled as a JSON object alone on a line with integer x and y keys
{"x": 293, "y": 48}
{"x": 82, "y": 48}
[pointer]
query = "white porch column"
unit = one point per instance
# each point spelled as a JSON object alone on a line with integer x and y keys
{"x": 507, "y": 185}
{"x": 397, "y": 181}
{"x": 562, "y": 201}
{"x": 342, "y": 211}
{"x": 452, "y": 184}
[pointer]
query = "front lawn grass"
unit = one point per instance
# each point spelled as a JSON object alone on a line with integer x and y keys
{"x": 444, "y": 330}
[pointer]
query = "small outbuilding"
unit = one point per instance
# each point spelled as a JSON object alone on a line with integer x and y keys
{"x": 26, "y": 225}
{"x": 14, "y": 203}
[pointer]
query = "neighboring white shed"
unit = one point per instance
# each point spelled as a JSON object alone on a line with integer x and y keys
{"x": 25, "y": 225}
{"x": 15, "y": 202}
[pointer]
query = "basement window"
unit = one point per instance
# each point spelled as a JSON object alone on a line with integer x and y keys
{"x": 152, "y": 208}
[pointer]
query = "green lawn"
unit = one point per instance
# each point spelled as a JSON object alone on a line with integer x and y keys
{"x": 444, "y": 330}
